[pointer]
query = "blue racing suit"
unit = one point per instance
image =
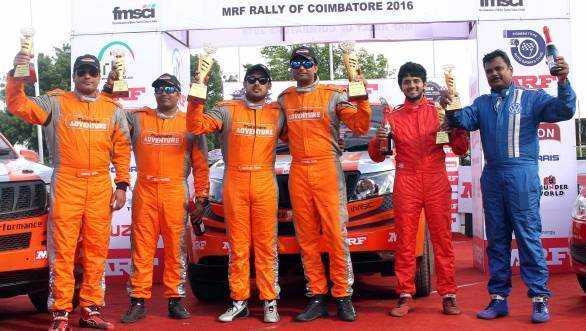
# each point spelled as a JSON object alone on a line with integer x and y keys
{"x": 508, "y": 121}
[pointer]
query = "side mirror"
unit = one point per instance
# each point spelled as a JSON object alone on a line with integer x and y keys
{"x": 30, "y": 155}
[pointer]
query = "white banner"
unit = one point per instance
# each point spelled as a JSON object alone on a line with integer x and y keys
{"x": 175, "y": 61}
{"x": 524, "y": 43}
{"x": 116, "y": 16}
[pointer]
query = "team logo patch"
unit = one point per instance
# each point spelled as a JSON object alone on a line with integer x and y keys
{"x": 515, "y": 108}
{"x": 527, "y": 46}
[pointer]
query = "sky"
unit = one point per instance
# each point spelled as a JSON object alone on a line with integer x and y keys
{"x": 52, "y": 23}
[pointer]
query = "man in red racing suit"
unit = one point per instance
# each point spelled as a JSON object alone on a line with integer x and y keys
{"x": 421, "y": 182}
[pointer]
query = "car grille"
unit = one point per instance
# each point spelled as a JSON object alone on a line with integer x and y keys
{"x": 23, "y": 276}
{"x": 15, "y": 241}
{"x": 285, "y": 199}
{"x": 22, "y": 199}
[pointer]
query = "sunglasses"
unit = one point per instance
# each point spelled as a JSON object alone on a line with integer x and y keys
{"x": 166, "y": 89}
{"x": 252, "y": 80}
{"x": 306, "y": 64}
{"x": 92, "y": 72}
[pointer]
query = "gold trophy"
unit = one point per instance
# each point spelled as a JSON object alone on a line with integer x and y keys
{"x": 199, "y": 90}
{"x": 120, "y": 87}
{"x": 356, "y": 90}
{"x": 441, "y": 137}
{"x": 451, "y": 85}
{"x": 26, "y": 72}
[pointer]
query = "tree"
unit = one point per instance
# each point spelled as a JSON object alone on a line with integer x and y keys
{"x": 215, "y": 93}
{"x": 54, "y": 72}
{"x": 372, "y": 66}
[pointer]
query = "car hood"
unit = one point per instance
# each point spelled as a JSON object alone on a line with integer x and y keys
{"x": 351, "y": 161}
{"x": 24, "y": 170}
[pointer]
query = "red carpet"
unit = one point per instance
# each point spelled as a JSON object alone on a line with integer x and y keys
{"x": 373, "y": 299}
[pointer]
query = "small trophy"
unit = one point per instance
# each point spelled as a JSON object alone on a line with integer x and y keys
{"x": 386, "y": 147}
{"x": 120, "y": 87}
{"x": 451, "y": 85}
{"x": 356, "y": 90}
{"x": 26, "y": 72}
{"x": 441, "y": 137}
{"x": 199, "y": 90}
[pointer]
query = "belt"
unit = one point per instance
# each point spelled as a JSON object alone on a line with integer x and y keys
{"x": 160, "y": 179}
{"x": 251, "y": 167}
{"x": 82, "y": 172}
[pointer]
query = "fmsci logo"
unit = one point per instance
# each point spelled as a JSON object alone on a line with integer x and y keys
{"x": 527, "y": 46}
{"x": 147, "y": 11}
{"x": 501, "y": 3}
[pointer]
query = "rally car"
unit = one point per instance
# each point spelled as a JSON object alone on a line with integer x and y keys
{"x": 24, "y": 268}
{"x": 578, "y": 239}
{"x": 371, "y": 228}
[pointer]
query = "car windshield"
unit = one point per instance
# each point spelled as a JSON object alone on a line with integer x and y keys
{"x": 6, "y": 152}
{"x": 352, "y": 142}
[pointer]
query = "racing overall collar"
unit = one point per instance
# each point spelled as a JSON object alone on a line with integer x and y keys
{"x": 253, "y": 105}
{"x": 166, "y": 117}
{"x": 84, "y": 98}
{"x": 497, "y": 97}
{"x": 415, "y": 105}
{"x": 308, "y": 88}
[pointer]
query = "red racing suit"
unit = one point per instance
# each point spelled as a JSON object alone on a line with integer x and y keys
{"x": 249, "y": 134}
{"x": 165, "y": 153}
{"x": 84, "y": 136}
{"x": 421, "y": 182}
{"x": 317, "y": 184}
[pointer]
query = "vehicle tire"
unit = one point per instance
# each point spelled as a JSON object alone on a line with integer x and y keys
{"x": 582, "y": 281}
{"x": 207, "y": 288}
{"x": 424, "y": 269}
{"x": 39, "y": 300}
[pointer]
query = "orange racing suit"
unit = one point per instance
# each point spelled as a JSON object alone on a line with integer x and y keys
{"x": 316, "y": 182}
{"x": 421, "y": 182}
{"x": 84, "y": 136}
{"x": 249, "y": 134}
{"x": 165, "y": 153}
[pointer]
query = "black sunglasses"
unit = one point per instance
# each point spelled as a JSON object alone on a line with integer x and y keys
{"x": 297, "y": 64}
{"x": 82, "y": 72}
{"x": 261, "y": 80}
{"x": 166, "y": 89}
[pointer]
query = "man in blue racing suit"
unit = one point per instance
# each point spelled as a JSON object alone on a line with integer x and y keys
{"x": 508, "y": 119}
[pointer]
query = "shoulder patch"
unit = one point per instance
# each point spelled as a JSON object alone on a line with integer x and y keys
{"x": 227, "y": 103}
{"x": 398, "y": 107}
{"x": 115, "y": 103}
{"x": 56, "y": 92}
{"x": 290, "y": 89}
{"x": 332, "y": 87}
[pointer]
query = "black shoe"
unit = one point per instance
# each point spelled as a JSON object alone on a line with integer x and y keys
{"x": 317, "y": 308}
{"x": 136, "y": 311}
{"x": 346, "y": 311}
{"x": 177, "y": 310}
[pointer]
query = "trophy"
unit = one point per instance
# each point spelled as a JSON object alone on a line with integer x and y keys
{"x": 452, "y": 92}
{"x": 120, "y": 87}
{"x": 441, "y": 137}
{"x": 356, "y": 90}
{"x": 386, "y": 147}
{"x": 26, "y": 72}
{"x": 199, "y": 90}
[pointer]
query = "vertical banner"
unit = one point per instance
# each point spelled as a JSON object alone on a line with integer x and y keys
{"x": 175, "y": 61}
{"x": 524, "y": 43}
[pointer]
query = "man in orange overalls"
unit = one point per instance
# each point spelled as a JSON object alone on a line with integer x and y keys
{"x": 165, "y": 153}
{"x": 249, "y": 130}
{"x": 316, "y": 182}
{"x": 85, "y": 132}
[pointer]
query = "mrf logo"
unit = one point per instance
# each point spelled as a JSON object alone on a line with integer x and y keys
{"x": 551, "y": 188}
{"x": 357, "y": 241}
{"x": 147, "y": 11}
{"x": 549, "y": 131}
{"x": 527, "y": 46}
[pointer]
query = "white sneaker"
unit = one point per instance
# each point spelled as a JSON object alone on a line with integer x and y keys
{"x": 271, "y": 312}
{"x": 237, "y": 310}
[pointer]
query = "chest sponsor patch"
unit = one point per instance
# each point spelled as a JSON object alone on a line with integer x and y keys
{"x": 162, "y": 139}
{"x": 250, "y": 129}
{"x": 305, "y": 114}
{"x": 81, "y": 122}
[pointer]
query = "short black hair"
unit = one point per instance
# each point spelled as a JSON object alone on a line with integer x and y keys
{"x": 493, "y": 55}
{"x": 412, "y": 69}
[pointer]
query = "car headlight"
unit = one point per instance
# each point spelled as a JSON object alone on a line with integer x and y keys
{"x": 579, "y": 210}
{"x": 371, "y": 185}
{"x": 216, "y": 190}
